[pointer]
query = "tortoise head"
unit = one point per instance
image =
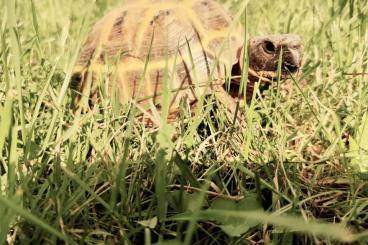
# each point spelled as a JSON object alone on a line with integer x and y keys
{"x": 264, "y": 56}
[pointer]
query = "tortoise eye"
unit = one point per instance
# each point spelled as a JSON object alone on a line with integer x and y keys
{"x": 269, "y": 47}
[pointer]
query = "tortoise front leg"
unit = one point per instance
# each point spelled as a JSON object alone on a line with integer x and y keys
{"x": 232, "y": 105}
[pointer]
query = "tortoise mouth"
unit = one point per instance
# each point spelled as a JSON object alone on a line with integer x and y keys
{"x": 272, "y": 76}
{"x": 264, "y": 76}
{"x": 286, "y": 68}
{"x": 266, "y": 79}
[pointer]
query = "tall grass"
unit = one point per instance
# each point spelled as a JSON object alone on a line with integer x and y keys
{"x": 292, "y": 175}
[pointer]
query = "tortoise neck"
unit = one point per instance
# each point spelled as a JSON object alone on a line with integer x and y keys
{"x": 253, "y": 77}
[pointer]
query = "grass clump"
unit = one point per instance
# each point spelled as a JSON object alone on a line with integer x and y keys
{"x": 291, "y": 175}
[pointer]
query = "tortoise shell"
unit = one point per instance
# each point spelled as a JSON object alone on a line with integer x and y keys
{"x": 187, "y": 46}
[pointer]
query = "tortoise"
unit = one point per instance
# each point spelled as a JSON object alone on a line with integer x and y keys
{"x": 186, "y": 47}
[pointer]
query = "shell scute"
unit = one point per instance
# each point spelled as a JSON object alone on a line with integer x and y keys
{"x": 154, "y": 35}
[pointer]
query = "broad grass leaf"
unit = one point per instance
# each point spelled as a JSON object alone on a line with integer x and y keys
{"x": 150, "y": 223}
{"x": 35, "y": 150}
{"x": 164, "y": 136}
{"x": 186, "y": 172}
{"x": 5, "y": 120}
{"x": 182, "y": 201}
{"x": 236, "y": 226}
{"x": 358, "y": 147}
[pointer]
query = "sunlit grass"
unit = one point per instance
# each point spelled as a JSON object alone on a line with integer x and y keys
{"x": 101, "y": 176}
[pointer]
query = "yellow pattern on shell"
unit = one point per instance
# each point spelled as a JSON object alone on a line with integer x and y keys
{"x": 205, "y": 50}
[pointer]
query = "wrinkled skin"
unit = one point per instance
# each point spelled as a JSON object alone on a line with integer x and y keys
{"x": 264, "y": 54}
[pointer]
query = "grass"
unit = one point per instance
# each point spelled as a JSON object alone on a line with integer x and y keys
{"x": 294, "y": 174}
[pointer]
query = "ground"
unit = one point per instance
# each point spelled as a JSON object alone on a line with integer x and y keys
{"x": 293, "y": 173}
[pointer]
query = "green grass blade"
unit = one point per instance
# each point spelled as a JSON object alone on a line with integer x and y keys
{"x": 32, "y": 218}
